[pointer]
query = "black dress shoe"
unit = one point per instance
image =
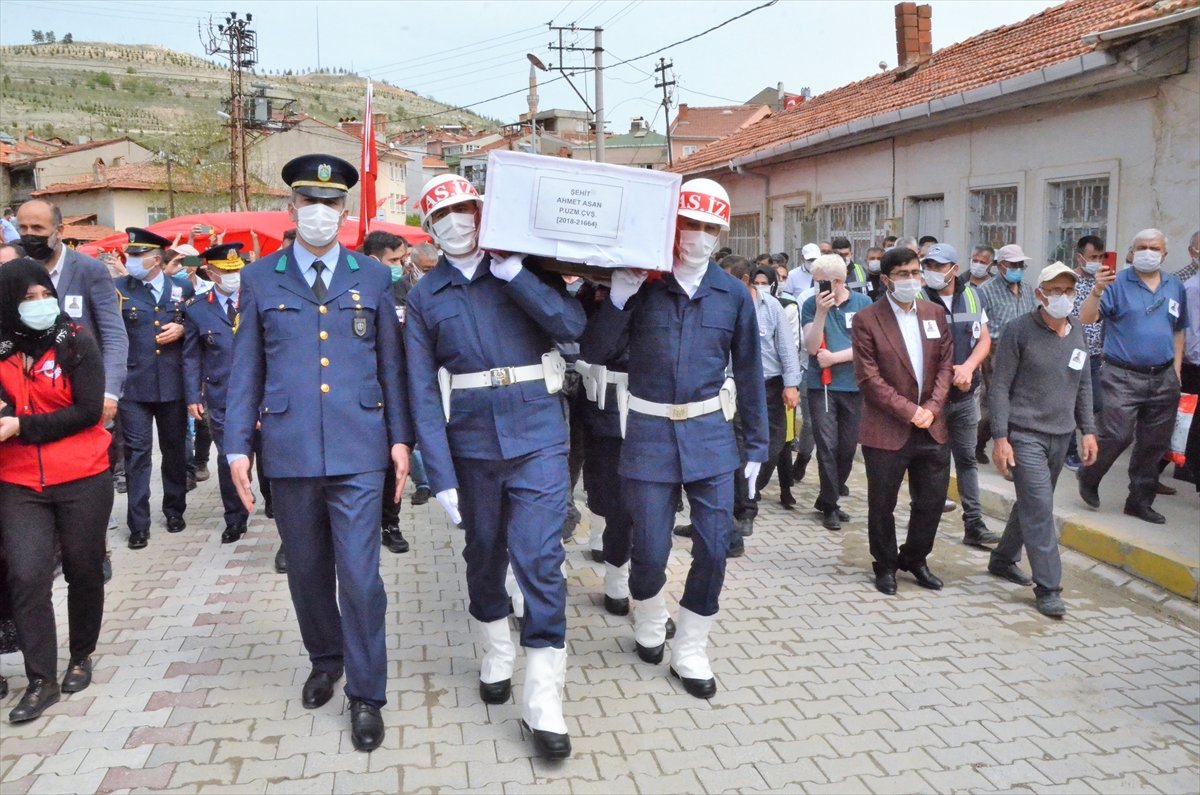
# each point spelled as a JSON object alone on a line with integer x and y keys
{"x": 616, "y": 607}
{"x": 787, "y": 501}
{"x": 885, "y": 582}
{"x": 394, "y": 540}
{"x": 597, "y": 555}
{"x": 175, "y": 524}
{"x": 421, "y": 495}
{"x": 78, "y": 676}
{"x": 495, "y": 692}
{"x": 670, "y": 628}
{"x": 844, "y": 491}
{"x": 842, "y": 515}
{"x": 736, "y": 550}
{"x": 38, "y": 696}
{"x": 980, "y": 536}
{"x": 1090, "y": 496}
{"x": 1163, "y": 488}
{"x": 106, "y": 568}
{"x": 366, "y": 725}
{"x": 269, "y": 511}
{"x": 3, "y": 687}
{"x": 683, "y": 530}
{"x": 1010, "y": 573}
{"x": 831, "y": 521}
{"x": 191, "y": 483}
{"x": 1145, "y": 513}
{"x": 651, "y": 655}
{"x": 318, "y": 688}
{"x": 981, "y": 457}
{"x": 700, "y": 688}
{"x": 232, "y": 533}
{"x": 139, "y": 540}
{"x": 280, "y": 562}
{"x": 119, "y": 484}
{"x": 548, "y": 744}
{"x": 924, "y": 577}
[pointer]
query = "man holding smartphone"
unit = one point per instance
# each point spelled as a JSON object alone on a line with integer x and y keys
{"x": 1090, "y": 257}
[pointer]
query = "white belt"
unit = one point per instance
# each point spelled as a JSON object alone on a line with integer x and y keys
{"x": 725, "y": 401}
{"x": 596, "y": 378}
{"x": 551, "y": 371}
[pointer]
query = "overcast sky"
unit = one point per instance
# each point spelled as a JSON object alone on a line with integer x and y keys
{"x": 465, "y": 51}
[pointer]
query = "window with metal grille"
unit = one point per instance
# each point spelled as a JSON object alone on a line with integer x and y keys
{"x": 993, "y": 216}
{"x": 863, "y": 223}
{"x": 799, "y": 227}
{"x": 743, "y": 235}
{"x": 1074, "y": 208}
{"x": 156, "y": 214}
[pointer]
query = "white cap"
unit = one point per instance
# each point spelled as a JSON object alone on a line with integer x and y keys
{"x": 810, "y": 251}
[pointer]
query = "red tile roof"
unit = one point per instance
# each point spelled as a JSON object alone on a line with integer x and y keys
{"x": 73, "y": 148}
{"x": 86, "y": 232}
{"x": 433, "y": 162}
{"x": 1052, "y": 36}
{"x": 144, "y": 176}
{"x": 713, "y": 123}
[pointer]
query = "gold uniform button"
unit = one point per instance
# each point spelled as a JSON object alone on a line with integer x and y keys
{"x": 324, "y": 335}
{"x": 281, "y": 306}
{"x": 156, "y": 323}
{"x": 324, "y": 387}
{"x": 324, "y": 362}
{"x": 358, "y": 306}
{"x": 156, "y": 309}
{"x": 355, "y": 296}
{"x": 323, "y": 309}
{"x": 157, "y": 351}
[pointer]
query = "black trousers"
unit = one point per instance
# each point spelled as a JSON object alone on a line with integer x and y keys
{"x": 76, "y": 515}
{"x": 776, "y": 430}
{"x": 927, "y": 464}
{"x": 835, "y": 430}
{"x": 1190, "y": 383}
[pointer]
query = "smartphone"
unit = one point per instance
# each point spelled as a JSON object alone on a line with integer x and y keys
{"x": 824, "y": 286}
{"x": 201, "y": 229}
{"x": 1110, "y": 261}
{"x": 192, "y": 262}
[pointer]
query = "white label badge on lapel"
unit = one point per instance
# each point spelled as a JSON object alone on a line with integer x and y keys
{"x": 1078, "y": 357}
{"x": 176, "y": 293}
{"x": 931, "y": 330}
{"x": 73, "y": 305}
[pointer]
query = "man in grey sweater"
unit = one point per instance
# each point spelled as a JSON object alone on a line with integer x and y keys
{"x": 1042, "y": 358}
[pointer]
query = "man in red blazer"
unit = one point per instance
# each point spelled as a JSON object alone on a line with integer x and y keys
{"x": 904, "y": 363}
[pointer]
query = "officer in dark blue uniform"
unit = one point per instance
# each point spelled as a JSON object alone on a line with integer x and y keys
{"x": 484, "y": 377}
{"x": 318, "y": 357}
{"x": 682, "y": 331}
{"x": 209, "y": 321}
{"x": 152, "y": 306}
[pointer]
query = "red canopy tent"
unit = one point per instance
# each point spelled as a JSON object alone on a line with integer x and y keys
{"x": 269, "y": 225}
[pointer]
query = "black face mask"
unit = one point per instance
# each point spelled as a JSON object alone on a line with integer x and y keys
{"x": 38, "y": 247}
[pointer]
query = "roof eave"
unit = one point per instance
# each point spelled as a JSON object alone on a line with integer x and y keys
{"x": 1124, "y": 31}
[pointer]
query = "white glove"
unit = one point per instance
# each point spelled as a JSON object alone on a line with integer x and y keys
{"x": 449, "y": 501}
{"x": 625, "y": 282}
{"x": 751, "y": 472}
{"x": 507, "y": 269}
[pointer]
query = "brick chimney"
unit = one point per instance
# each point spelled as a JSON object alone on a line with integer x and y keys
{"x": 914, "y": 35}
{"x": 682, "y": 115}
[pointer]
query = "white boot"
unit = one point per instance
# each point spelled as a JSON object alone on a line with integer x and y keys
{"x": 499, "y": 654}
{"x": 616, "y": 589}
{"x": 650, "y": 627}
{"x": 596, "y": 541}
{"x": 689, "y": 654}
{"x": 514, "y": 592}
{"x": 541, "y": 707}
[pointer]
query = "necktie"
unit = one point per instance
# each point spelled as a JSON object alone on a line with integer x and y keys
{"x": 318, "y": 285}
{"x": 230, "y": 309}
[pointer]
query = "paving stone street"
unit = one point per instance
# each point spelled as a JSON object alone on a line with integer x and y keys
{"x": 825, "y": 684}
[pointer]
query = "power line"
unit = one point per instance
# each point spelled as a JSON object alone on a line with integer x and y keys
{"x": 492, "y": 41}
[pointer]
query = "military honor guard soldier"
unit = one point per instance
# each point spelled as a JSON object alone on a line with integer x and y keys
{"x": 319, "y": 358}
{"x": 209, "y": 323}
{"x": 483, "y": 379}
{"x": 152, "y": 306}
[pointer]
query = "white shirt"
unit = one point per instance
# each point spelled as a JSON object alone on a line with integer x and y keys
{"x": 799, "y": 279}
{"x": 305, "y": 259}
{"x": 910, "y": 328}
{"x": 467, "y": 264}
{"x": 156, "y": 286}
{"x": 689, "y": 276}
{"x": 224, "y": 300}
{"x": 59, "y": 256}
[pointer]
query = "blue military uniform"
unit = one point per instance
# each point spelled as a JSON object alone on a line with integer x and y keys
{"x": 321, "y": 367}
{"x": 504, "y": 448}
{"x": 679, "y": 348}
{"x": 154, "y": 393}
{"x": 210, "y": 319}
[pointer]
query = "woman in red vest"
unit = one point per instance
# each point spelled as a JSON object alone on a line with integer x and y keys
{"x": 54, "y": 479}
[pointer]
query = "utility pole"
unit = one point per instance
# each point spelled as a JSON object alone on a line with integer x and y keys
{"x": 235, "y": 40}
{"x": 170, "y": 186}
{"x": 665, "y": 84}
{"x": 598, "y": 54}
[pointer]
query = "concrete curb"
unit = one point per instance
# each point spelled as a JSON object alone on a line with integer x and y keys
{"x": 1087, "y": 534}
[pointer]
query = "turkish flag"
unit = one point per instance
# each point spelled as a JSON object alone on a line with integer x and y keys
{"x": 367, "y": 171}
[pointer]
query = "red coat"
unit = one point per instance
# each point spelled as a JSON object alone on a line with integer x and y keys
{"x": 886, "y": 379}
{"x": 43, "y": 390}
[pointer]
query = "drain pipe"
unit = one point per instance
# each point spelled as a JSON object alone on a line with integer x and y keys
{"x": 765, "y": 231}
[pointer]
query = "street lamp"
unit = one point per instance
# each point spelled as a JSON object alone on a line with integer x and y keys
{"x": 535, "y": 63}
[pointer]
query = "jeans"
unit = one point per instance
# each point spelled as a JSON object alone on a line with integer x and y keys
{"x": 836, "y": 433}
{"x": 1039, "y": 460}
{"x": 962, "y": 420}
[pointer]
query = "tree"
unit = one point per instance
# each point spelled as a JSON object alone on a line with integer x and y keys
{"x": 68, "y": 39}
{"x": 38, "y": 37}
{"x": 50, "y": 39}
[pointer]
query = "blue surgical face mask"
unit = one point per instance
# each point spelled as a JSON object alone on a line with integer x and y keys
{"x": 39, "y": 315}
{"x": 1014, "y": 275}
{"x": 135, "y": 268}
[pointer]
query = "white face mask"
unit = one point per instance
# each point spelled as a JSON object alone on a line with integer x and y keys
{"x": 905, "y": 291}
{"x": 1091, "y": 268}
{"x": 230, "y": 282}
{"x": 135, "y": 268}
{"x": 1058, "y": 306}
{"x": 1147, "y": 260}
{"x": 455, "y": 233}
{"x": 695, "y": 247}
{"x": 937, "y": 280}
{"x": 318, "y": 224}
{"x": 979, "y": 269}
{"x": 39, "y": 315}
{"x": 873, "y": 265}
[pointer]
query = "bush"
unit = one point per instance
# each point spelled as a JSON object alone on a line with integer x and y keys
{"x": 104, "y": 80}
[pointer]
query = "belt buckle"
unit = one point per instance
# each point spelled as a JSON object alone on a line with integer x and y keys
{"x": 679, "y": 412}
{"x": 502, "y": 376}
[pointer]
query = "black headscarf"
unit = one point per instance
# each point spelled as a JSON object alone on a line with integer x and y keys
{"x": 16, "y": 277}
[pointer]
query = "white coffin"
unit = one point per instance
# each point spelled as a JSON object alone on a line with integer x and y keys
{"x": 593, "y": 214}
